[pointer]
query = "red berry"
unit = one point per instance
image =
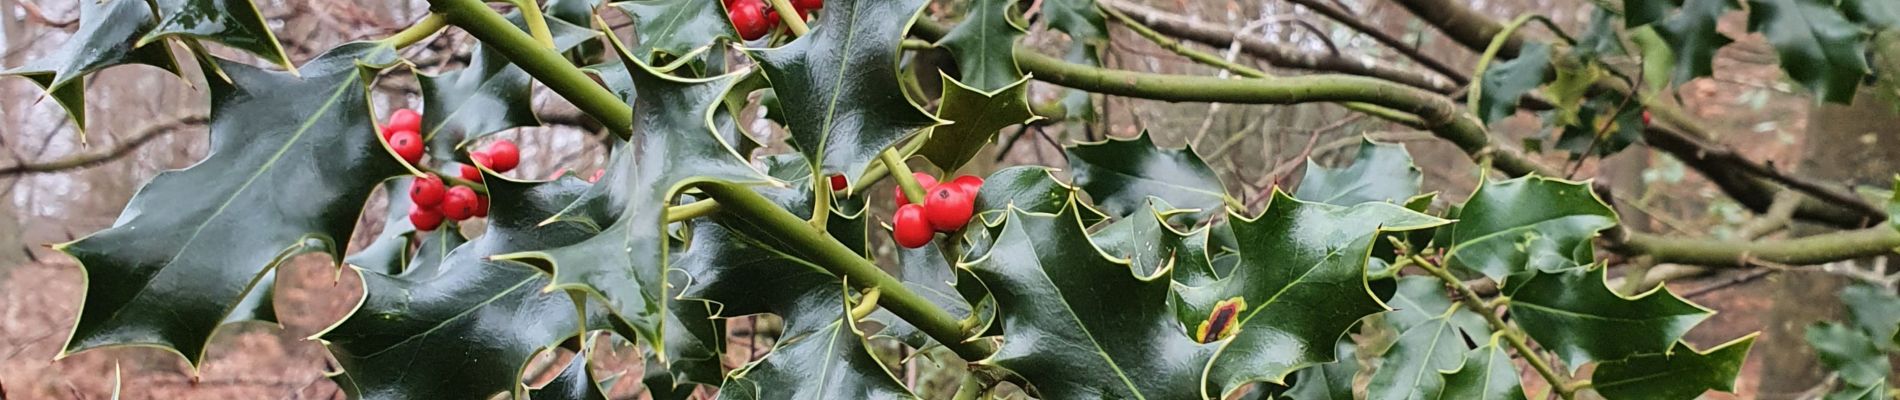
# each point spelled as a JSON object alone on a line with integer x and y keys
{"x": 404, "y": 120}
{"x": 425, "y": 219}
{"x": 596, "y": 177}
{"x": 427, "y": 191}
{"x": 503, "y": 155}
{"x": 837, "y": 182}
{"x": 949, "y": 208}
{"x": 748, "y": 18}
{"x": 804, "y": 5}
{"x": 910, "y": 229}
{"x": 480, "y": 157}
{"x": 971, "y": 184}
{"x": 923, "y": 179}
{"x": 481, "y": 206}
{"x": 459, "y": 204}
{"x": 1645, "y": 117}
{"x": 470, "y": 173}
{"x": 407, "y": 145}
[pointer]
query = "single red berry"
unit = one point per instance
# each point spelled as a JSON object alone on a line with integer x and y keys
{"x": 772, "y": 19}
{"x": 596, "y": 177}
{"x": 910, "y": 229}
{"x": 949, "y": 208}
{"x": 407, "y": 145}
{"x": 503, "y": 155}
{"x": 923, "y": 179}
{"x": 804, "y": 5}
{"x": 748, "y": 18}
{"x": 424, "y": 218}
{"x": 837, "y": 182}
{"x": 1645, "y": 117}
{"x": 459, "y": 204}
{"x": 970, "y": 183}
{"x": 481, "y": 206}
{"x": 427, "y": 191}
{"x": 480, "y": 157}
{"x": 471, "y": 174}
{"x": 404, "y": 120}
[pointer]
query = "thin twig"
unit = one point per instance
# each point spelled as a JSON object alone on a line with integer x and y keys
{"x": 120, "y": 149}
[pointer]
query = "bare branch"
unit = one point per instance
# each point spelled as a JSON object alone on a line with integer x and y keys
{"x": 118, "y": 150}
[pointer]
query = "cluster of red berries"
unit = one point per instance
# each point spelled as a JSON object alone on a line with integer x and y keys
{"x": 946, "y": 208}
{"x": 434, "y": 200}
{"x": 754, "y": 18}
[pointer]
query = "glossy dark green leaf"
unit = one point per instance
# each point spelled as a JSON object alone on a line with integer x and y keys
{"x": 1120, "y": 174}
{"x": 577, "y": 12}
{"x": 928, "y": 273}
{"x": 1079, "y": 324}
{"x": 1078, "y": 18}
{"x": 674, "y": 144}
{"x": 1643, "y": 12}
{"x": 1487, "y": 374}
{"x": 821, "y": 354}
{"x": 292, "y": 160}
{"x": 1682, "y": 373}
{"x": 1418, "y": 299}
{"x": 1027, "y": 187}
{"x": 1507, "y": 81}
{"x": 1329, "y": 381}
{"x": 472, "y": 321}
{"x": 107, "y": 36}
{"x": 1692, "y": 37}
{"x": 575, "y": 382}
{"x": 975, "y": 116}
{"x": 1575, "y": 315}
{"x": 1525, "y": 224}
{"x": 1301, "y": 279}
{"x": 1818, "y": 47}
{"x": 390, "y": 252}
{"x": 1380, "y": 172}
{"x": 984, "y": 45}
{"x": 695, "y": 342}
{"x": 1874, "y": 310}
{"x": 1850, "y": 353}
{"x": 1878, "y": 14}
{"x": 676, "y": 27}
{"x": 838, "y": 84}
{"x": 1412, "y": 365}
{"x": 1602, "y": 39}
{"x": 235, "y": 23}
{"x": 489, "y": 95}
{"x": 1149, "y": 243}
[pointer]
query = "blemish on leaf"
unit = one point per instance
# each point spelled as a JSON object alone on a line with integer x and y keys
{"x": 1220, "y": 322}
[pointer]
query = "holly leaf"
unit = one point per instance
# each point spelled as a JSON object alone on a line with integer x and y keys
{"x": 1818, "y": 46}
{"x": 1078, "y": 18}
{"x": 1526, "y": 224}
{"x": 1149, "y": 243}
{"x": 838, "y": 85}
{"x": 1601, "y": 40}
{"x": 291, "y": 161}
{"x": 675, "y": 144}
{"x": 1506, "y": 82}
{"x": 575, "y": 382}
{"x": 1300, "y": 283}
{"x": 234, "y": 23}
{"x": 1413, "y": 363}
{"x": 1591, "y": 137}
{"x": 427, "y": 315}
{"x": 1120, "y": 174}
{"x": 928, "y": 273}
{"x": 107, "y": 36}
{"x": 1873, "y": 13}
{"x": 1692, "y": 37}
{"x": 1332, "y": 380}
{"x": 1643, "y": 12}
{"x": 489, "y": 95}
{"x": 1849, "y": 352}
{"x": 675, "y": 28}
{"x": 1029, "y": 188}
{"x": 1487, "y": 374}
{"x": 984, "y": 45}
{"x": 1873, "y": 310}
{"x": 975, "y": 117}
{"x": 1681, "y": 373}
{"x": 821, "y": 354}
{"x": 1112, "y": 335}
{"x": 1380, "y": 172}
{"x": 1574, "y": 314}
{"x": 389, "y": 253}
{"x": 1418, "y": 299}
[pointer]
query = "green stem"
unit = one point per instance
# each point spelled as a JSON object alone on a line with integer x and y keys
{"x": 827, "y": 252}
{"x": 789, "y": 14}
{"x": 1490, "y": 53}
{"x": 541, "y": 62}
{"x": 821, "y": 201}
{"x": 1810, "y": 250}
{"x": 422, "y": 29}
{"x": 878, "y": 171}
{"x": 537, "y": 24}
{"x": 691, "y": 210}
{"x": 1516, "y": 337}
{"x": 912, "y": 190}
